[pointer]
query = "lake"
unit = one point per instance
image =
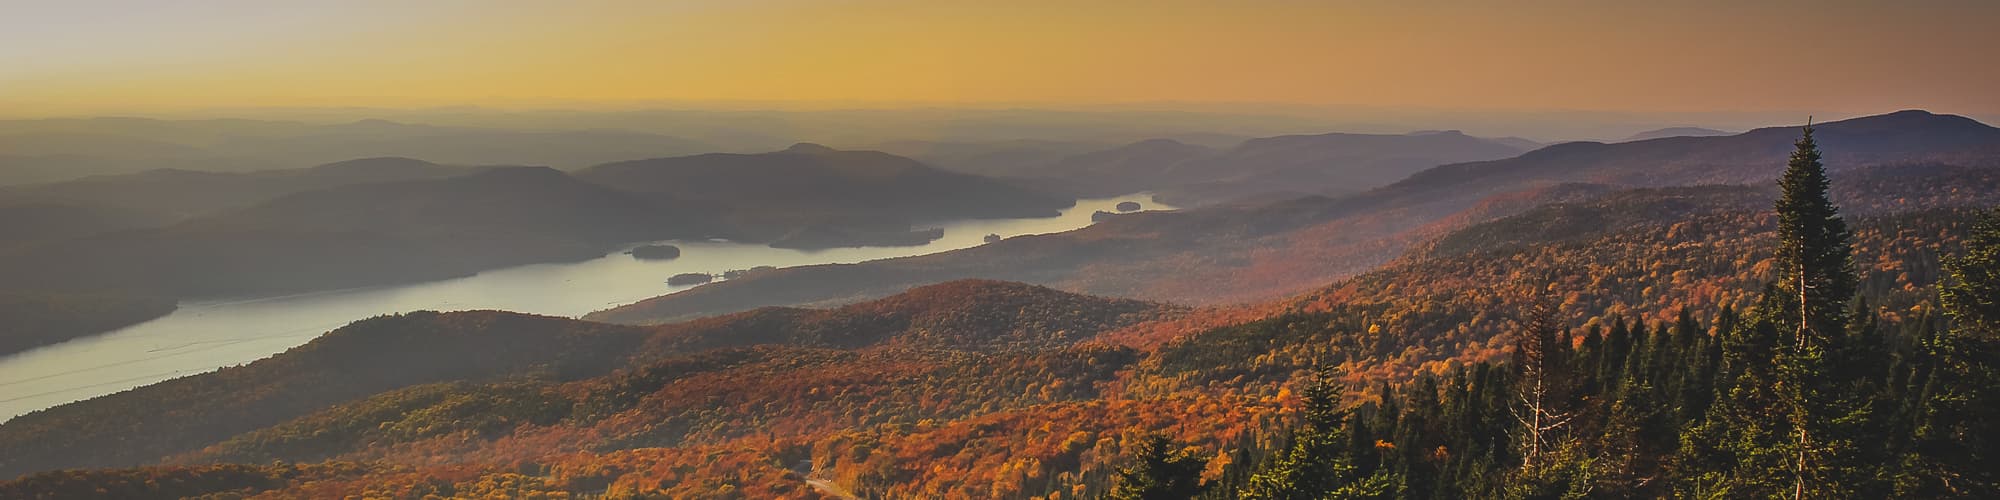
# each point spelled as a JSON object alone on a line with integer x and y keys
{"x": 207, "y": 334}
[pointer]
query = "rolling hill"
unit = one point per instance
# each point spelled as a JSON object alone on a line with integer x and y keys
{"x": 386, "y": 353}
{"x": 810, "y": 177}
{"x": 771, "y": 195}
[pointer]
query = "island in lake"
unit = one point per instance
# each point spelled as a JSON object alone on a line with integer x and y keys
{"x": 685, "y": 279}
{"x": 655, "y": 252}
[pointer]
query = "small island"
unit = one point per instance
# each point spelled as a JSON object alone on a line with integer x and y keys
{"x": 1128, "y": 206}
{"x": 738, "y": 273}
{"x": 685, "y": 279}
{"x": 655, "y": 252}
{"x": 992, "y": 238}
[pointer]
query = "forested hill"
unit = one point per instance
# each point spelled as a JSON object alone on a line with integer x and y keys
{"x": 814, "y": 184}
{"x": 359, "y": 235}
{"x": 951, "y": 320}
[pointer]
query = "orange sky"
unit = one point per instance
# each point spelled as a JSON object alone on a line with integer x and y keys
{"x": 96, "y": 56}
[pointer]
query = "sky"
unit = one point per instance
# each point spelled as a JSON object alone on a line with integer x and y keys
{"x": 109, "y": 56}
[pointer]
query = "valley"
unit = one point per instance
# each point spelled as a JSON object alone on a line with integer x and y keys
{"x": 1039, "y": 365}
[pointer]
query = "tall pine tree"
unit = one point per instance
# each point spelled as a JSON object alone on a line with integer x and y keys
{"x": 1814, "y": 249}
{"x": 1816, "y": 258}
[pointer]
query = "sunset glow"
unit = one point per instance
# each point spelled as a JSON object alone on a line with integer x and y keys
{"x": 100, "y": 55}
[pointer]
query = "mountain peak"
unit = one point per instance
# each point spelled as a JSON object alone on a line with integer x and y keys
{"x": 1437, "y": 132}
{"x": 1907, "y": 122}
{"x": 1906, "y": 117}
{"x": 809, "y": 148}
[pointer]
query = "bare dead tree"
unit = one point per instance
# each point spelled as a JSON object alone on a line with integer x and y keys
{"x": 1542, "y": 395}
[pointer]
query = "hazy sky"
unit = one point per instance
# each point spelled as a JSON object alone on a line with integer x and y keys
{"x": 94, "y": 56}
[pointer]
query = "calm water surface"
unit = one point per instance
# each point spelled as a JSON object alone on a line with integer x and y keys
{"x": 207, "y": 334}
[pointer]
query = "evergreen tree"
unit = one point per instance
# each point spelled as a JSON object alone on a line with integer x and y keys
{"x": 1957, "y": 428}
{"x": 1739, "y": 448}
{"x": 1159, "y": 472}
{"x": 1815, "y": 254}
{"x": 1318, "y": 465}
{"x": 1817, "y": 265}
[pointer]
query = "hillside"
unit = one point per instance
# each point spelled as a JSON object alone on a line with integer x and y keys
{"x": 34, "y": 319}
{"x": 357, "y": 235}
{"x": 809, "y": 184}
{"x": 946, "y": 324}
{"x": 361, "y": 359}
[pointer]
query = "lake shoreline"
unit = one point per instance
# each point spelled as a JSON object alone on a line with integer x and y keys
{"x": 212, "y": 332}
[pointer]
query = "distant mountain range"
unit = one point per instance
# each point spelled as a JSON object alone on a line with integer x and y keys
{"x": 1268, "y": 168}
{"x": 174, "y": 193}
{"x": 1675, "y": 132}
{"x": 40, "y": 151}
{"x": 1261, "y": 250}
